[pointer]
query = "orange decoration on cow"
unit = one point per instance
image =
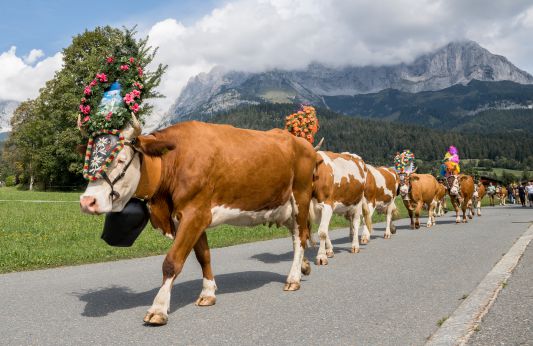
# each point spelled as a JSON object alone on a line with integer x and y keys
{"x": 303, "y": 123}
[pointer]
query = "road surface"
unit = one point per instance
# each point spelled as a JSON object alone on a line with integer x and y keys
{"x": 391, "y": 293}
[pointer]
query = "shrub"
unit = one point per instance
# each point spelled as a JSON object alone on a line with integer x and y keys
{"x": 11, "y": 180}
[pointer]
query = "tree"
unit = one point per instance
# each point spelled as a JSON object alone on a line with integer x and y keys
{"x": 45, "y": 132}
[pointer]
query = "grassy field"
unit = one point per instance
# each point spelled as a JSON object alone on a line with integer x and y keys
{"x": 35, "y": 234}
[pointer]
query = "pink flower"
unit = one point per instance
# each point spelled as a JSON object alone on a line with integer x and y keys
{"x": 134, "y": 108}
{"x": 124, "y": 67}
{"x": 128, "y": 98}
{"x": 132, "y": 60}
{"x": 87, "y": 90}
{"x": 93, "y": 83}
{"x": 86, "y": 119}
{"x": 110, "y": 59}
{"x": 140, "y": 70}
{"x": 138, "y": 85}
{"x": 102, "y": 77}
{"x": 85, "y": 109}
{"x": 108, "y": 116}
{"x": 136, "y": 93}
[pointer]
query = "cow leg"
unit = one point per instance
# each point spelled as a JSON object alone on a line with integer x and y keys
{"x": 478, "y": 207}
{"x": 455, "y": 205}
{"x": 431, "y": 215}
{"x": 368, "y": 211}
{"x": 203, "y": 255}
{"x": 464, "y": 206}
{"x": 419, "y": 206}
{"x": 190, "y": 228}
{"x": 470, "y": 207}
{"x": 355, "y": 223}
{"x": 389, "y": 225}
{"x": 326, "y": 214}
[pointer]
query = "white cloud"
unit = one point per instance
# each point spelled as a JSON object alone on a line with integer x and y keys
{"x": 21, "y": 77}
{"x": 255, "y": 35}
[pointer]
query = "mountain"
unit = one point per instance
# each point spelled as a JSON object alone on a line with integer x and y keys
{"x": 6, "y": 111}
{"x": 455, "y": 63}
{"x": 444, "y": 108}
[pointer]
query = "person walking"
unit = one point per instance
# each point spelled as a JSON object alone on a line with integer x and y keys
{"x": 510, "y": 194}
{"x": 491, "y": 192}
{"x": 529, "y": 190}
{"x": 522, "y": 194}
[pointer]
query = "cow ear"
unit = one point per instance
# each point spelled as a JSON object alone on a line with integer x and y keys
{"x": 464, "y": 177}
{"x": 151, "y": 146}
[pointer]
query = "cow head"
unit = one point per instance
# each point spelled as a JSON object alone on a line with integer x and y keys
{"x": 123, "y": 174}
{"x": 453, "y": 185}
{"x": 404, "y": 184}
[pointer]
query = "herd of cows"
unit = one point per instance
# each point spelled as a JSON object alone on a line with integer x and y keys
{"x": 197, "y": 175}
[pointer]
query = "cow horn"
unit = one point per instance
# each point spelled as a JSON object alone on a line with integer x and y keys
{"x": 80, "y": 127}
{"x": 317, "y": 148}
{"x": 136, "y": 125}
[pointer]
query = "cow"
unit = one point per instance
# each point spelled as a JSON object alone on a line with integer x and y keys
{"x": 381, "y": 189}
{"x": 417, "y": 190}
{"x": 477, "y": 197}
{"x": 338, "y": 188}
{"x": 501, "y": 193}
{"x": 461, "y": 190}
{"x": 195, "y": 176}
{"x": 441, "y": 200}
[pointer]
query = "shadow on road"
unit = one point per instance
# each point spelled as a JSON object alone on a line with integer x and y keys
{"x": 103, "y": 301}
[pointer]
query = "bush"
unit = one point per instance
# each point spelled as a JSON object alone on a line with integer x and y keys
{"x": 11, "y": 180}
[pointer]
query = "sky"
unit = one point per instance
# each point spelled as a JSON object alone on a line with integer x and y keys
{"x": 257, "y": 35}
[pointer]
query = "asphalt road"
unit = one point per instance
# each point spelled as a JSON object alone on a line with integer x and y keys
{"x": 510, "y": 320}
{"x": 392, "y": 293}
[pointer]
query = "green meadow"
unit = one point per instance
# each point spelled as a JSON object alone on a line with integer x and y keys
{"x": 46, "y": 229}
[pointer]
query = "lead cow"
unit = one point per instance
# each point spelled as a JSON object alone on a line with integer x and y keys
{"x": 195, "y": 176}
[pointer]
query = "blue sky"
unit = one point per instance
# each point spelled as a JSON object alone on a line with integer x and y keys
{"x": 50, "y": 24}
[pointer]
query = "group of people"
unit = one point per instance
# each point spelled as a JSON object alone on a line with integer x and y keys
{"x": 516, "y": 193}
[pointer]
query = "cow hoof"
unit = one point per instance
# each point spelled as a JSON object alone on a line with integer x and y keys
{"x": 294, "y": 286}
{"x": 306, "y": 267}
{"x": 470, "y": 217}
{"x": 417, "y": 226}
{"x": 386, "y": 236}
{"x": 321, "y": 260}
{"x": 465, "y": 221}
{"x": 355, "y": 249}
{"x": 206, "y": 301}
{"x": 478, "y": 214}
{"x": 330, "y": 253}
{"x": 364, "y": 240}
{"x": 393, "y": 229}
{"x": 155, "y": 319}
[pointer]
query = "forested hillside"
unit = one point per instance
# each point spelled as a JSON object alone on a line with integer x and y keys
{"x": 378, "y": 141}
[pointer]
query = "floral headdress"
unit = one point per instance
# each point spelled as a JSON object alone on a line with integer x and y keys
{"x": 404, "y": 162}
{"x": 303, "y": 123}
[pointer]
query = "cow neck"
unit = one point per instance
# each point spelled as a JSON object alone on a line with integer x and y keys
{"x": 151, "y": 172}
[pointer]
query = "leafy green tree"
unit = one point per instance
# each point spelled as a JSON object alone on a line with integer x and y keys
{"x": 45, "y": 133}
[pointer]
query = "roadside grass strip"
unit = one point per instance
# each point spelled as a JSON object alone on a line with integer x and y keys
{"x": 465, "y": 320}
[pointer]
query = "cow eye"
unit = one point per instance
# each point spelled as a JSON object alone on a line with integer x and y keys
{"x": 121, "y": 159}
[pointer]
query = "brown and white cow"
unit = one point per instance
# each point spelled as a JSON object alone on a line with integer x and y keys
{"x": 417, "y": 190}
{"x": 195, "y": 176}
{"x": 380, "y": 194}
{"x": 339, "y": 189}
{"x": 477, "y": 197}
{"x": 501, "y": 193}
{"x": 441, "y": 200}
{"x": 460, "y": 190}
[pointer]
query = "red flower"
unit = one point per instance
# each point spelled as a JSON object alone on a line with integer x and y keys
{"x": 132, "y": 60}
{"x": 87, "y": 90}
{"x": 140, "y": 70}
{"x": 86, "y": 119}
{"x": 128, "y": 98}
{"x": 102, "y": 77}
{"x": 110, "y": 60}
{"x": 136, "y": 93}
{"x": 85, "y": 109}
{"x": 108, "y": 116}
{"x": 135, "y": 108}
{"x": 124, "y": 67}
{"x": 138, "y": 85}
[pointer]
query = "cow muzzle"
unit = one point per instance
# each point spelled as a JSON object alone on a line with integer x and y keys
{"x": 404, "y": 190}
{"x": 89, "y": 205}
{"x": 454, "y": 191}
